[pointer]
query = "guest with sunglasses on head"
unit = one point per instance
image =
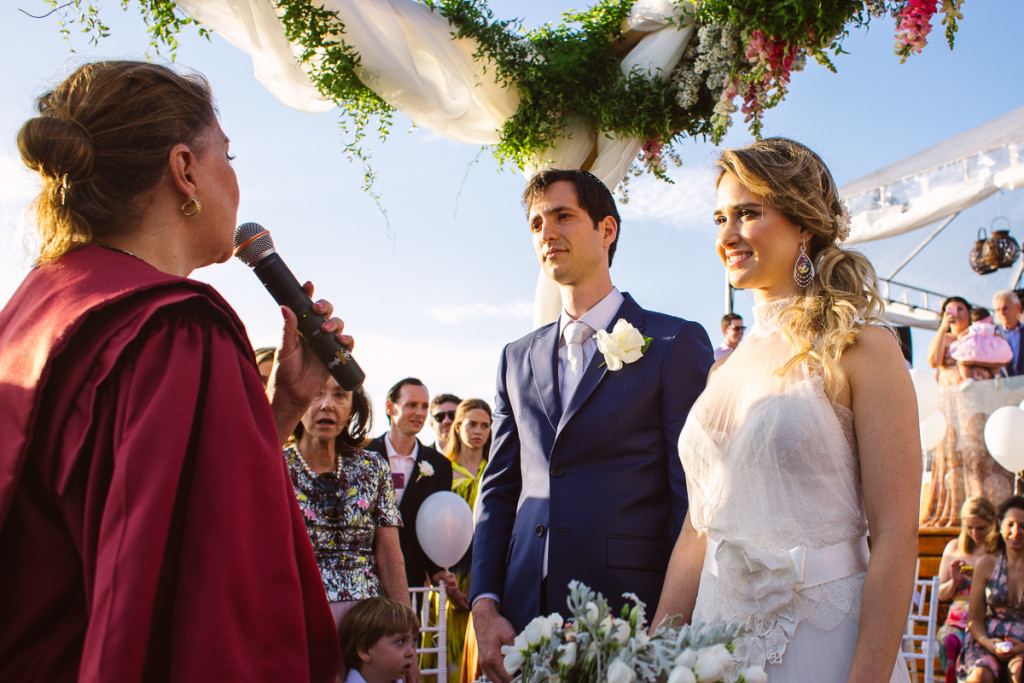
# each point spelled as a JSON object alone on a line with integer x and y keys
{"x": 347, "y": 500}
{"x": 732, "y": 330}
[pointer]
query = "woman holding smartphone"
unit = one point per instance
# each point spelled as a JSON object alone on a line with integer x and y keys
{"x": 977, "y": 522}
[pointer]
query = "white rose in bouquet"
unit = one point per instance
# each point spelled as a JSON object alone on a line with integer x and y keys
{"x": 513, "y": 658}
{"x": 682, "y": 674}
{"x": 754, "y": 674}
{"x": 712, "y": 663}
{"x": 620, "y": 672}
{"x": 568, "y": 656}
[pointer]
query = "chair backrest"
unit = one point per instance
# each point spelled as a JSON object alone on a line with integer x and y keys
{"x": 919, "y": 642}
{"x": 433, "y": 621}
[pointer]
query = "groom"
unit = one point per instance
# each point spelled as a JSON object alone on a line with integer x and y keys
{"x": 584, "y": 480}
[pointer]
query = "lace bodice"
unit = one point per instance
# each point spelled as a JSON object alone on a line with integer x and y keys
{"x": 772, "y": 463}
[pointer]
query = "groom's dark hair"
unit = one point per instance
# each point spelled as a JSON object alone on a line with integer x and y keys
{"x": 592, "y": 195}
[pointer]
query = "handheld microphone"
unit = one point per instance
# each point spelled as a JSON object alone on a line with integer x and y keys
{"x": 255, "y": 248}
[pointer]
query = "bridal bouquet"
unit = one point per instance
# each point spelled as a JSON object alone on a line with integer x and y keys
{"x": 595, "y": 646}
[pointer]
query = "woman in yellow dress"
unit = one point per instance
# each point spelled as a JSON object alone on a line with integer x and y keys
{"x": 468, "y": 448}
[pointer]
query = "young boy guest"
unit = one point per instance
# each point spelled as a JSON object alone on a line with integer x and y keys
{"x": 378, "y": 641}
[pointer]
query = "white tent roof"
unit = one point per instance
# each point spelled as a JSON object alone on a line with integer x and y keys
{"x": 932, "y": 188}
{"x": 939, "y": 181}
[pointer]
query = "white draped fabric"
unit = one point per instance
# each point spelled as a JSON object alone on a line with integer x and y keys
{"x": 409, "y": 58}
{"x": 939, "y": 181}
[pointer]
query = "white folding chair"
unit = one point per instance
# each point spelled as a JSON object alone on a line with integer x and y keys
{"x": 924, "y": 611}
{"x": 439, "y": 628}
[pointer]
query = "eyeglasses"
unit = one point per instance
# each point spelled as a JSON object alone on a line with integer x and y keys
{"x": 738, "y": 328}
{"x": 440, "y": 417}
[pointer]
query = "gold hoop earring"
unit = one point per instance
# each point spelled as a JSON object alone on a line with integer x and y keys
{"x": 192, "y": 210}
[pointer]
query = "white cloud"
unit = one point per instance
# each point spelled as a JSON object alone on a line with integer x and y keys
{"x": 455, "y": 314}
{"x": 18, "y": 185}
{"x": 688, "y": 204}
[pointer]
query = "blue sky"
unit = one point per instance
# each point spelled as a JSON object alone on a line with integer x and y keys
{"x": 437, "y": 291}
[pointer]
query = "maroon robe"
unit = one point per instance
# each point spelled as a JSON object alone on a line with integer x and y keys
{"x": 148, "y": 528}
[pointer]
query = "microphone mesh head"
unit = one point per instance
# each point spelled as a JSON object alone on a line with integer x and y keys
{"x": 252, "y": 241}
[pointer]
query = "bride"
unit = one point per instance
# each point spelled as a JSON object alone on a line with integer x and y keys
{"x": 805, "y": 439}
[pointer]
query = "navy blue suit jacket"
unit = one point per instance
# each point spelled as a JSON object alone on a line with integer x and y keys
{"x": 601, "y": 479}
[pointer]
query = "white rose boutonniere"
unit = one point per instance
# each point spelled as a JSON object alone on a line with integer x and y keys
{"x": 623, "y": 345}
{"x": 426, "y": 469}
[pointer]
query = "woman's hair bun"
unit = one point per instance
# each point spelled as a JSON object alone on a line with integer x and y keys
{"x": 56, "y": 146}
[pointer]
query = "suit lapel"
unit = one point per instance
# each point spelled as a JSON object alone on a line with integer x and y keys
{"x": 597, "y": 368}
{"x": 544, "y": 364}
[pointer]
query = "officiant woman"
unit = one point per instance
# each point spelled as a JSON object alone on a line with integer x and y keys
{"x": 148, "y": 530}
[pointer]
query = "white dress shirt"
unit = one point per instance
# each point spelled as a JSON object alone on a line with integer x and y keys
{"x": 401, "y": 464}
{"x": 598, "y": 318}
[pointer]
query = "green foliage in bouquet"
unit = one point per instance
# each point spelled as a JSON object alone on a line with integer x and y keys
{"x": 594, "y": 645}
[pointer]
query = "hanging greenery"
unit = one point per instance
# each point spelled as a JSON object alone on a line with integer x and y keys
{"x": 743, "y": 49}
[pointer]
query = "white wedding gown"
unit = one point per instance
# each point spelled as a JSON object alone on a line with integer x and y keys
{"x": 773, "y": 480}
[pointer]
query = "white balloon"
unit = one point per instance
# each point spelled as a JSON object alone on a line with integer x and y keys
{"x": 444, "y": 527}
{"x": 1004, "y": 437}
{"x": 933, "y": 430}
{"x": 927, "y": 390}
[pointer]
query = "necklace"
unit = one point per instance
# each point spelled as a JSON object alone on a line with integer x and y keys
{"x": 309, "y": 470}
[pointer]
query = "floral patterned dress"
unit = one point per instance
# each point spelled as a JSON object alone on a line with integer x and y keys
{"x": 1002, "y": 621}
{"x": 342, "y": 511}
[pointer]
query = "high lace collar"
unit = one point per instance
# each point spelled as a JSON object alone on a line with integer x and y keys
{"x": 766, "y": 315}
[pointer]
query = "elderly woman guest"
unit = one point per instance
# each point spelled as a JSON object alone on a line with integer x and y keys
{"x": 961, "y": 466}
{"x": 977, "y": 523}
{"x": 996, "y": 612}
{"x": 347, "y": 499}
{"x": 147, "y": 529}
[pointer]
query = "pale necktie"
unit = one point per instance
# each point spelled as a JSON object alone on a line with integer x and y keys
{"x": 576, "y": 334}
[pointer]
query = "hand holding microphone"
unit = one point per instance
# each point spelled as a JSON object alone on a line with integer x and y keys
{"x": 255, "y": 248}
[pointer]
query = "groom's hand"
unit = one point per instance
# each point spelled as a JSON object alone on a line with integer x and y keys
{"x": 492, "y": 631}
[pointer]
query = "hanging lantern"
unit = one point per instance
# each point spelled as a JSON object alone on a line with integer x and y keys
{"x": 977, "y": 256}
{"x": 1000, "y": 250}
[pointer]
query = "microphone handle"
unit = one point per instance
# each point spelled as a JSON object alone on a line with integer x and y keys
{"x": 285, "y": 289}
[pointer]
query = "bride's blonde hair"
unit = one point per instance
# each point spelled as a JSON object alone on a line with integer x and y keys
{"x": 843, "y": 295}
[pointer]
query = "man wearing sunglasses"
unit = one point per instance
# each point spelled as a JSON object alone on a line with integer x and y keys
{"x": 442, "y": 415}
{"x": 732, "y": 329}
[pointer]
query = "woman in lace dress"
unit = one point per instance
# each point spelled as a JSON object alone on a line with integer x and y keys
{"x": 961, "y": 467}
{"x": 805, "y": 438}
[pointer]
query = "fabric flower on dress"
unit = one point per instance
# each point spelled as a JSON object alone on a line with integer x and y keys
{"x": 757, "y": 581}
{"x": 623, "y": 345}
{"x": 426, "y": 469}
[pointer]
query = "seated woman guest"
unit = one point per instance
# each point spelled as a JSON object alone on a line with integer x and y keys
{"x": 468, "y": 448}
{"x": 996, "y": 612}
{"x": 977, "y": 522}
{"x": 147, "y": 529}
{"x": 347, "y": 500}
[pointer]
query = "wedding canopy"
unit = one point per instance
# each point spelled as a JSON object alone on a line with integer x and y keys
{"x": 409, "y": 57}
{"x": 932, "y": 188}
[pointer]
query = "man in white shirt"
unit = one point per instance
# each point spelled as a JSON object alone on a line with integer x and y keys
{"x": 732, "y": 330}
{"x": 1007, "y": 308}
{"x": 417, "y": 470}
